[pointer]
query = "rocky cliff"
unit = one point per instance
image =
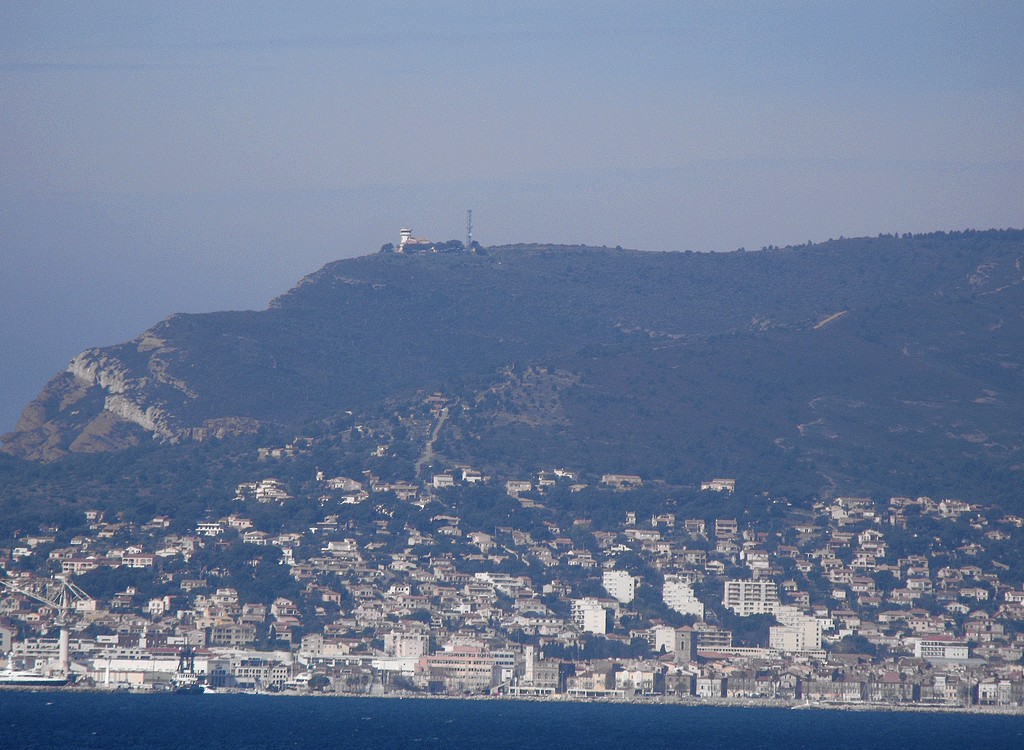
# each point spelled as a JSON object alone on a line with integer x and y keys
{"x": 113, "y": 398}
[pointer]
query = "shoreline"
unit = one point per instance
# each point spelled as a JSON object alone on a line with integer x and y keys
{"x": 664, "y": 701}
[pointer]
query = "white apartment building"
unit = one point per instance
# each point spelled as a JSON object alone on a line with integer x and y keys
{"x": 590, "y": 615}
{"x": 406, "y": 645}
{"x": 677, "y": 593}
{"x": 941, "y": 647}
{"x": 797, "y": 632}
{"x": 620, "y": 585}
{"x": 751, "y": 597}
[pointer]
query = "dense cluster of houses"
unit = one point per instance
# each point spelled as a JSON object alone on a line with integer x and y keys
{"x": 432, "y": 605}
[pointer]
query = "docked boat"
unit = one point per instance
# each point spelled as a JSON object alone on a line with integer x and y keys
{"x": 30, "y": 678}
{"x": 191, "y": 689}
{"x": 185, "y": 680}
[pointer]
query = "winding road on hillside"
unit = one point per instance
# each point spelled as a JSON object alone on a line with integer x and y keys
{"x": 427, "y": 457}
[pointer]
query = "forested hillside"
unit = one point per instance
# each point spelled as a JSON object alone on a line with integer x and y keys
{"x": 888, "y": 364}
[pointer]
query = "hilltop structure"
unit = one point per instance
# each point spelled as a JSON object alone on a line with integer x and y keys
{"x": 408, "y": 243}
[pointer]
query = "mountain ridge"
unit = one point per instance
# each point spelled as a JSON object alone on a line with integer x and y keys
{"x": 663, "y": 359}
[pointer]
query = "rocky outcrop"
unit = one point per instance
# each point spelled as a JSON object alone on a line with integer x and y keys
{"x": 113, "y": 398}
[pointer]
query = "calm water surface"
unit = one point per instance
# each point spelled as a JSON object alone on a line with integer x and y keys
{"x": 30, "y": 720}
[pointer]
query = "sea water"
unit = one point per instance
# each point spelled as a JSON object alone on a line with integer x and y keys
{"x": 67, "y": 720}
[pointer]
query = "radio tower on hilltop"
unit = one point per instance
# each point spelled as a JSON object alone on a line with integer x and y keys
{"x": 469, "y": 230}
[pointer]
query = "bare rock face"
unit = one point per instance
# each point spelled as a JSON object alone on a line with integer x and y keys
{"x": 109, "y": 399}
{"x": 107, "y": 432}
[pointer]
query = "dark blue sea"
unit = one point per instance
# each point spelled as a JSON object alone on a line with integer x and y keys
{"x": 30, "y": 720}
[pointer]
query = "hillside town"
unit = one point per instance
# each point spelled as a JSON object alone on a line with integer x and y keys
{"x": 389, "y": 590}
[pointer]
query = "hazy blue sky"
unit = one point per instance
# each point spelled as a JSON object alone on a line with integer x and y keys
{"x": 165, "y": 157}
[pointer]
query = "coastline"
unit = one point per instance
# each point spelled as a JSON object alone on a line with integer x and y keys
{"x": 663, "y": 701}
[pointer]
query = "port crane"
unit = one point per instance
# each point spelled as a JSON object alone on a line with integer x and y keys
{"x": 57, "y": 592}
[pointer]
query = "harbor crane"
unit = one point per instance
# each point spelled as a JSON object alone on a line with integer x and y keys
{"x": 57, "y": 592}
